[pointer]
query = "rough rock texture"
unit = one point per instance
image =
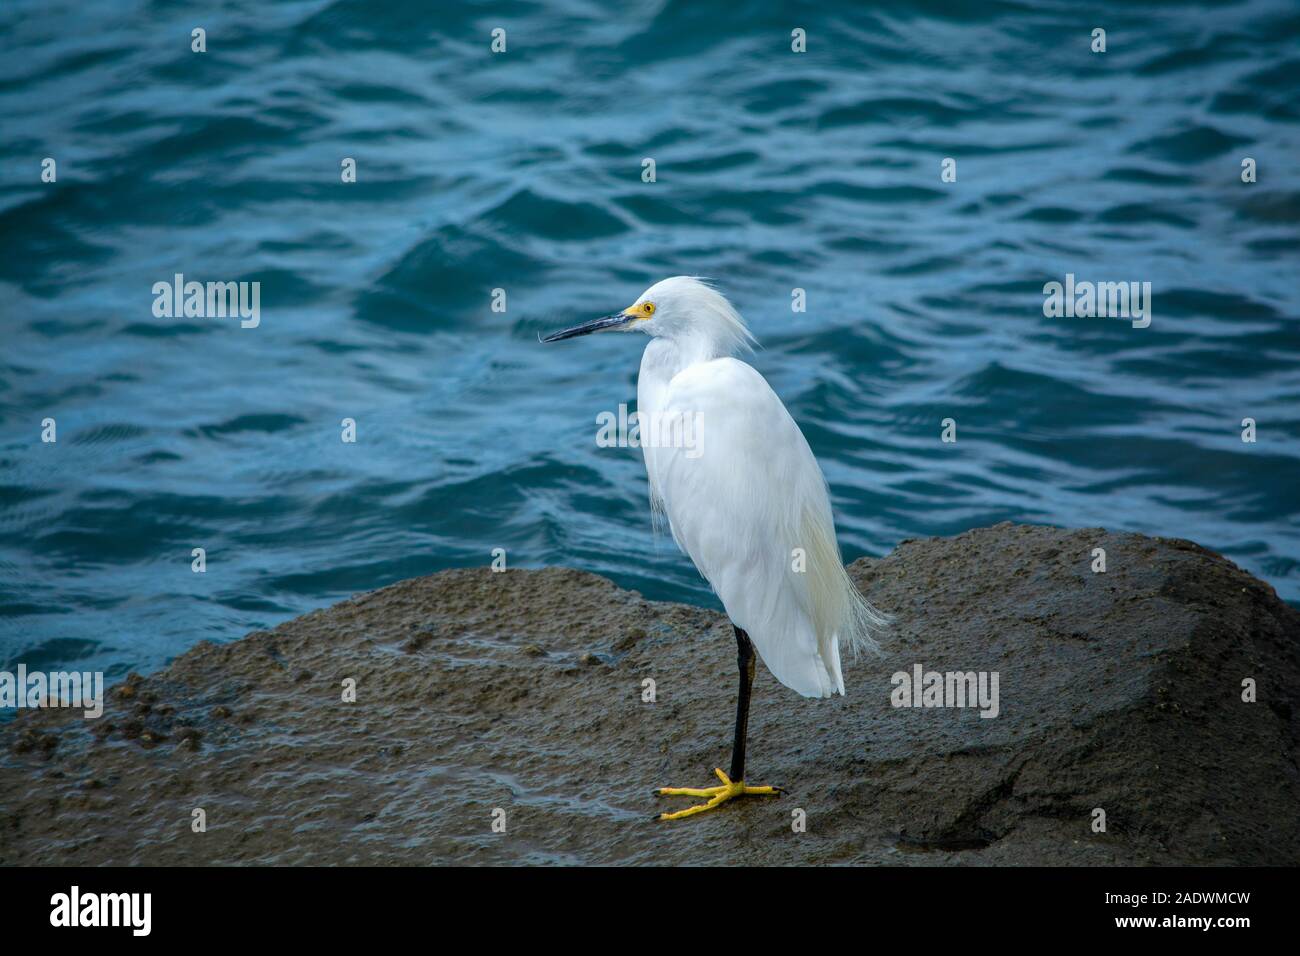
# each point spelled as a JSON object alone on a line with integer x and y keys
{"x": 523, "y": 691}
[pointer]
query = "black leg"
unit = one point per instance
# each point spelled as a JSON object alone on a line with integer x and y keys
{"x": 745, "y": 660}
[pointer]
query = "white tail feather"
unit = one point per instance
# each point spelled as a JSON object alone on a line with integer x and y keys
{"x": 838, "y": 609}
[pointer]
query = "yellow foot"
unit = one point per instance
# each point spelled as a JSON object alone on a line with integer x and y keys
{"x": 717, "y": 795}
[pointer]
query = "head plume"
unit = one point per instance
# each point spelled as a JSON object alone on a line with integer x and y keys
{"x": 689, "y": 307}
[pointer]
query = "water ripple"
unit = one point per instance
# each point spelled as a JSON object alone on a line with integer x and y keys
{"x": 523, "y": 172}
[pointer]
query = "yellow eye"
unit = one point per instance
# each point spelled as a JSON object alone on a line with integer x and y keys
{"x": 648, "y": 308}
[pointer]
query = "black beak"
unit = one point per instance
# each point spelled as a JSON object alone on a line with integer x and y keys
{"x": 616, "y": 321}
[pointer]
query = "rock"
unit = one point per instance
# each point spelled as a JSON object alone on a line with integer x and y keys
{"x": 418, "y": 641}
{"x": 629, "y": 639}
{"x": 1118, "y": 691}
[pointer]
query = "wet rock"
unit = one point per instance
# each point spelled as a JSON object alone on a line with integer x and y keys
{"x": 1119, "y": 694}
{"x": 417, "y": 642}
{"x": 32, "y": 740}
{"x": 127, "y": 689}
{"x": 629, "y": 639}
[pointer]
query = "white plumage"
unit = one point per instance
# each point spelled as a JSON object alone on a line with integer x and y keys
{"x": 745, "y": 499}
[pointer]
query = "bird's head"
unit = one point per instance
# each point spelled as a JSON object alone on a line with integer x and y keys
{"x": 681, "y": 308}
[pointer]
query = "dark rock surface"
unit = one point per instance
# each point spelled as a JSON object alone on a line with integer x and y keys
{"x": 523, "y": 690}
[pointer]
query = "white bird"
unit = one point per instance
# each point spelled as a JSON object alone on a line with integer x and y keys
{"x": 744, "y": 498}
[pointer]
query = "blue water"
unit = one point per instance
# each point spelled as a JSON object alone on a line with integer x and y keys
{"x": 522, "y": 171}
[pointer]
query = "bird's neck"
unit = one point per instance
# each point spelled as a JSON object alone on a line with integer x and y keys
{"x": 659, "y": 363}
{"x": 678, "y": 352}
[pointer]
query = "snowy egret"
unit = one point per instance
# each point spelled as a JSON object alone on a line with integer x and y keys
{"x": 747, "y": 502}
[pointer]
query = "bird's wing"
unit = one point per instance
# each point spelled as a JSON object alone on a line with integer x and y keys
{"x": 740, "y": 502}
